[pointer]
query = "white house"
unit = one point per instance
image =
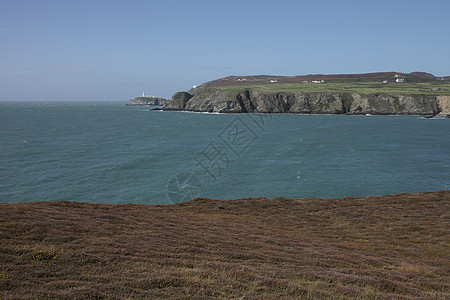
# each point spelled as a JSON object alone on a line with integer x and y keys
{"x": 399, "y": 80}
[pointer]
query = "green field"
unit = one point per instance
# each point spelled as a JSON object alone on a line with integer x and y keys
{"x": 435, "y": 87}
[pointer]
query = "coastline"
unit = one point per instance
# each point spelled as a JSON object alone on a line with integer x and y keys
{"x": 258, "y": 101}
{"x": 385, "y": 93}
{"x": 425, "y": 116}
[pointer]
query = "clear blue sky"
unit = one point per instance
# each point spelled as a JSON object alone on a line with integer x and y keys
{"x": 113, "y": 50}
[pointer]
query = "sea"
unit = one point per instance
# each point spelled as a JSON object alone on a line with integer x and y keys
{"x": 111, "y": 153}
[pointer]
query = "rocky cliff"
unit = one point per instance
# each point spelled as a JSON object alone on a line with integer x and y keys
{"x": 444, "y": 104}
{"x": 254, "y": 100}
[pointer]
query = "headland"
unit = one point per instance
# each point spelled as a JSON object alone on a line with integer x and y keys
{"x": 387, "y": 93}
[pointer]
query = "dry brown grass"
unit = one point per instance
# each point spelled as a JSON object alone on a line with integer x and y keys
{"x": 364, "y": 248}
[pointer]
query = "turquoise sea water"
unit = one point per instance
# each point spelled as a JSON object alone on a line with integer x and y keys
{"x": 108, "y": 153}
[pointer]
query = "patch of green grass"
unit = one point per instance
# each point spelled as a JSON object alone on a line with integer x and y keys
{"x": 360, "y": 87}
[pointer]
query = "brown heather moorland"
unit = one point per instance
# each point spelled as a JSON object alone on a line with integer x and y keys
{"x": 386, "y": 247}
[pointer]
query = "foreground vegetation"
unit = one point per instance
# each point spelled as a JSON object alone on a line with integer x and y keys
{"x": 435, "y": 87}
{"x": 390, "y": 247}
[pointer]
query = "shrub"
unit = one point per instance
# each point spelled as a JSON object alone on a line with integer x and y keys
{"x": 44, "y": 256}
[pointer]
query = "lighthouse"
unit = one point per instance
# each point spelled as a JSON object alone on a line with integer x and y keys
{"x": 143, "y": 95}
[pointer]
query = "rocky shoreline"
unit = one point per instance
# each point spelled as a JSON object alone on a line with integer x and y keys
{"x": 256, "y": 101}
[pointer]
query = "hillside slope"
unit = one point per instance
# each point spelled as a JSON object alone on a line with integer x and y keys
{"x": 382, "y": 247}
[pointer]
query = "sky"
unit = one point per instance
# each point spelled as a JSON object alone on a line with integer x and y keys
{"x": 100, "y": 50}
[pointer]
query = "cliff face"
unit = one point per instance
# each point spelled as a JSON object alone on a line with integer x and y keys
{"x": 444, "y": 104}
{"x": 222, "y": 101}
{"x": 179, "y": 100}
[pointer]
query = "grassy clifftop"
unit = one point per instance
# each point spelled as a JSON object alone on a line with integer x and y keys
{"x": 418, "y": 83}
{"x": 359, "y": 87}
{"x": 382, "y": 247}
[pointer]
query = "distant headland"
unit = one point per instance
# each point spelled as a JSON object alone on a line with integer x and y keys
{"x": 144, "y": 100}
{"x": 385, "y": 93}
